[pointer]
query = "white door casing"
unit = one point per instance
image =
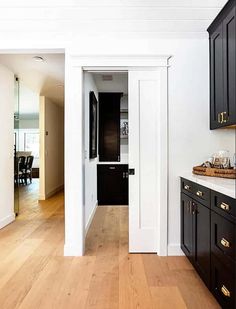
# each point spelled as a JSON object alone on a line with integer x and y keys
{"x": 144, "y": 108}
{"x": 74, "y": 212}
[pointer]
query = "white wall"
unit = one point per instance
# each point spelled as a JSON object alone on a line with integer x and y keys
{"x": 51, "y": 148}
{"x": 90, "y": 195}
{"x": 7, "y": 145}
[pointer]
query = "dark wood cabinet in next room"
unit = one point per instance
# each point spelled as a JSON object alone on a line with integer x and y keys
{"x": 112, "y": 184}
{"x": 208, "y": 238}
{"x": 222, "y": 33}
{"x": 109, "y": 126}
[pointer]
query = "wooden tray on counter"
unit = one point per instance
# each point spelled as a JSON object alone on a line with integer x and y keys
{"x": 215, "y": 172}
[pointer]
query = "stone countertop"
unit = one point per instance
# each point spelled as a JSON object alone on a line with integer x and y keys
{"x": 221, "y": 185}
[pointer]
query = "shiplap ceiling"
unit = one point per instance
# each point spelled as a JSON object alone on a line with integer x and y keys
{"x": 68, "y": 18}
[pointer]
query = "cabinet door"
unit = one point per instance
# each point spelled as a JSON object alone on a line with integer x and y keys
{"x": 201, "y": 242}
{"x": 112, "y": 184}
{"x": 187, "y": 226}
{"x": 229, "y": 54}
{"x": 223, "y": 283}
{"x": 216, "y": 77}
{"x": 109, "y": 126}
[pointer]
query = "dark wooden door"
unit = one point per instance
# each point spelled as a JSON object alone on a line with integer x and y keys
{"x": 201, "y": 240}
{"x": 216, "y": 77}
{"x": 187, "y": 226}
{"x": 229, "y": 64}
{"x": 109, "y": 126}
{"x": 112, "y": 184}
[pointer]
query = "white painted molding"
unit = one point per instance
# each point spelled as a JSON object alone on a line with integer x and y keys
{"x": 91, "y": 218}
{"x": 119, "y": 62}
{"x": 7, "y": 220}
{"x": 175, "y": 250}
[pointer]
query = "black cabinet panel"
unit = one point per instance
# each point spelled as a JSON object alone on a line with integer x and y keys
{"x": 223, "y": 239}
{"x": 224, "y": 205}
{"x": 222, "y": 68}
{"x": 201, "y": 242}
{"x": 112, "y": 184}
{"x": 216, "y": 76}
{"x": 109, "y": 127}
{"x": 187, "y": 226}
{"x": 223, "y": 283}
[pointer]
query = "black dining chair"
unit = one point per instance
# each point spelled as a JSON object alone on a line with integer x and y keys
{"x": 28, "y": 169}
{"x": 21, "y": 167}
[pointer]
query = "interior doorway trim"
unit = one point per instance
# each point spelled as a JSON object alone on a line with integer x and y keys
{"x": 74, "y": 144}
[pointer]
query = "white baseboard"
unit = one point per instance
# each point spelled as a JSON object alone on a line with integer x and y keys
{"x": 72, "y": 250}
{"x": 43, "y": 197}
{"x": 7, "y": 220}
{"x": 87, "y": 225}
{"x": 175, "y": 250}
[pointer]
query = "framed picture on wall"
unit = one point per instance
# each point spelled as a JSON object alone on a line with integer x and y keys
{"x": 124, "y": 128}
{"x": 92, "y": 125}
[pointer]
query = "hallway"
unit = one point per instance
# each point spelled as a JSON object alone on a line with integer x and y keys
{"x": 34, "y": 273}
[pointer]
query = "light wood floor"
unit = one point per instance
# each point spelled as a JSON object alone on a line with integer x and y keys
{"x": 34, "y": 274}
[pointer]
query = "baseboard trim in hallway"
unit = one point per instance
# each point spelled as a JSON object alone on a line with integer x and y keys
{"x": 7, "y": 220}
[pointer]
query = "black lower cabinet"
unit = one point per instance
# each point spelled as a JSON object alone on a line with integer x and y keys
{"x": 186, "y": 226}
{"x": 208, "y": 239}
{"x": 112, "y": 184}
{"x": 201, "y": 242}
{"x": 195, "y": 235}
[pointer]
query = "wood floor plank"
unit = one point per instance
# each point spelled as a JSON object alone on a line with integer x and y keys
{"x": 167, "y": 298}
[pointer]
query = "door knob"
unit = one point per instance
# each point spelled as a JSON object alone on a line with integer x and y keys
{"x": 131, "y": 171}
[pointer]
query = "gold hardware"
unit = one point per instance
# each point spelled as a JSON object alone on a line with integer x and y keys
{"x": 219, "y": 117}
{"x": 224, "y": 206}
{"x": 199, "y": 193}
{"x": 186, "y": 187}
{"x": 225, "y": 291}
{"x": 224, "y": 117}
{"x": 225, "y": 243}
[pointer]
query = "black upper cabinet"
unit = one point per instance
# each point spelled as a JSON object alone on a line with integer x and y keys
{"x": 222, "y": 34}
{"x": 109, "y": 127}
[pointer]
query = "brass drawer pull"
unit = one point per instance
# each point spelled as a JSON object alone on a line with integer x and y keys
{"x": 225, "y": 243}
{"x": 224, "y": 206}
{"x": 224, "y": 117}
{"x": 199, "y": 193}
{"x": 225, "y": 291}
{"x": 187, "y": 187}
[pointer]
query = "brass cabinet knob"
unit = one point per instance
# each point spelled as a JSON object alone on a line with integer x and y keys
{"x": 225, "y": 243}
{"x": 224, "y": 206}
{"x": 199, "y": 193}
{"x": 187, "y": 187}
{"x": 225, "y": 291}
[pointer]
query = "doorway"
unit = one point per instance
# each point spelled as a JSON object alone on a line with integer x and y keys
{"x": 145, "y": 129}
{"x": 38, "y": 125}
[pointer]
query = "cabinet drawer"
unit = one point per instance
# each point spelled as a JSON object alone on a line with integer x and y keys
{"x": 201, "y": 194}
{"x": 223, "y": 237}
{"x": 223, "y": 283}
{"x": 224, "y": 205}
{"x": 186, "y": 186}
